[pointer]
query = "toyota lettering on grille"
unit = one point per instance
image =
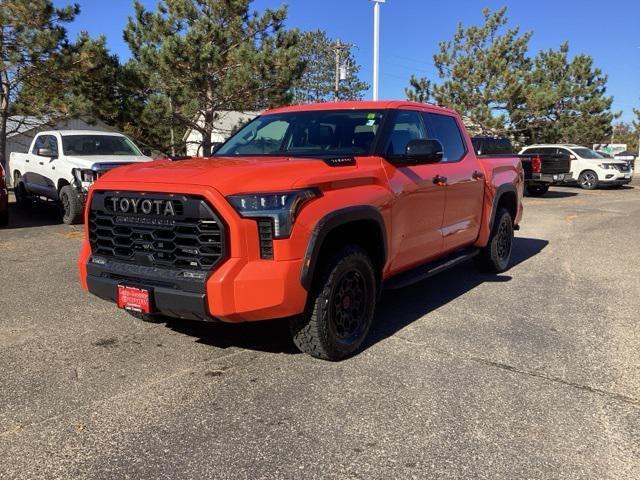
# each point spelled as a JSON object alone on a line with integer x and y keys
{"x": 145, "y": 206}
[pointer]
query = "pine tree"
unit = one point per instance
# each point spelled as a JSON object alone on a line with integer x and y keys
{"x": 317, "y": 83}
{"x": 32, "y": 44}
{"x": 419, "y": 90}
{"x": 482, "y": 70}
{"x": 564, "y": 100}
{"x": 204, "y": 56}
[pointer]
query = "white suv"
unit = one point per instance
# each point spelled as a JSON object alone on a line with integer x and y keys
{"x": 588, "y": 167}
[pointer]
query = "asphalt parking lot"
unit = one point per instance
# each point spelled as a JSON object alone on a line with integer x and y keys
{"x": 534, "y": 373}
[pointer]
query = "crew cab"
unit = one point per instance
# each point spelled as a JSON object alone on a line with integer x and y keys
{"x": 542, "y": 168}
{"x": 306, "y": 213}
{"x": 4, "y": 199}
{"x": 589, "y": 168}
{"x": 61, "y": 165}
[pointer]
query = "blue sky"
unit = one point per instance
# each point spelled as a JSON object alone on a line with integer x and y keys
{"x": 411, "y": 30}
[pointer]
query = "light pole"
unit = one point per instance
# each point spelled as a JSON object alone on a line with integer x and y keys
{"x": 376, "y": 45}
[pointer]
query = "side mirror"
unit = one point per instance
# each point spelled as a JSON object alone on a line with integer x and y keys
{"x": 47, "y": 152}
{"x": 146, "y": 151}
{"x": 215, "y": 146}
{"x": 572, "y": 157}
{"x": 424, "y": 151}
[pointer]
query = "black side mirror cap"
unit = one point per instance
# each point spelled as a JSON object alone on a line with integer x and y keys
{"x": 424, "y": 151}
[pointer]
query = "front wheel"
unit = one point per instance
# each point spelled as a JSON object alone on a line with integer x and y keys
{"x": 495, "y": 257}
{"x": 588, "y": 180}
{"x": 71, "y": 205}
{"x": 537, "y": 189}
{"x": 340, "y": 307}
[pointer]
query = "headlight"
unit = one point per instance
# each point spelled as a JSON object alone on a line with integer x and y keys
{"x": 281, "y": 207}
{"x": 608, "y": 166}
{"x": 85, "y": 177}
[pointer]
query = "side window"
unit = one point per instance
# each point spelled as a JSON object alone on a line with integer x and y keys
{"x": 563, "y": 152}
{"x": 445, "y": 129}
{"x": 39, "y": 143}
{"x": 532, "y": 151}
{"x": 408, "y": 126}
{"x": 548, "y": 151}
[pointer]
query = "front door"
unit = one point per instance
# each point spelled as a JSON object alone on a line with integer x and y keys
{"x": 419, "y": 203}
{"x": 40, "y": 177}
{"x": 464, "y": 182}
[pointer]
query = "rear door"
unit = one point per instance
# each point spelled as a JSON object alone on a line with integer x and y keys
{"x": 419, "y": 204}
{"x": 464, "y": 182}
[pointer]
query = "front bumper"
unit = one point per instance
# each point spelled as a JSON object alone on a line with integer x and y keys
{"x": 238, "y": 291}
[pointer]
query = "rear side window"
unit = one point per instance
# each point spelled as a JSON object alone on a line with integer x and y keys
{"x": 445, "y": 129}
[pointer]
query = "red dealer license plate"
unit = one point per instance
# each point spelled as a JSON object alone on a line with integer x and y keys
{"x": 132, "y": 298}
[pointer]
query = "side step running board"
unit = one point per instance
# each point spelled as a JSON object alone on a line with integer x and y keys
{"x": 427, "y": 270}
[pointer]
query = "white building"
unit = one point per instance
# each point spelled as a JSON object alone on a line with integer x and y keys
{"x": 227, "y": 122}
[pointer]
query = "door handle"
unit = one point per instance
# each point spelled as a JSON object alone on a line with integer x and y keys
{"x": 40, "y": 163}
{"x": 26, "y": 161}
{"x": 477, "y": 175}
{"x": 440, "y": 180}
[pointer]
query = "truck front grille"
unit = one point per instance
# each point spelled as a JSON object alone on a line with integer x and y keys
{"x": 188, "y": 236}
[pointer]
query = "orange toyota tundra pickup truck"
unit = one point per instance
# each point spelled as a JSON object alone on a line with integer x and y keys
{"x": 306, "y": 213}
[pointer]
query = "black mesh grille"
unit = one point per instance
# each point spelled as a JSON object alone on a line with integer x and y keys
{"x": 190, "y": 236}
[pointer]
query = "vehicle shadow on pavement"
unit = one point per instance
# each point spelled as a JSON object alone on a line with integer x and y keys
{"x": 37, "y": 215}
{"x": 396, "y": 310}
{"x": 558, "y": 194}
{"x": 400, "y": 308}
{"x": 267, "y": 336}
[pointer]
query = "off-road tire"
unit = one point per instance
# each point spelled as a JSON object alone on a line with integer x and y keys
{"x": 72, "y": 207}
{"x": 148, "y": 317}
{"x": 537, "y": 190}
{"x": 496, "y": 255}
{"x": 340, "y": 307}
{"x": 588, "y": 180}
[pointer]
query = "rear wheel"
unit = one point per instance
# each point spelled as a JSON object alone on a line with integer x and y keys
{"x": 495, "y": 257}
{"x": 340, "y": 307}
{"x": 537, "y": 189}
{"x": 71, "y": 205}
{"x": 588, "y": 180}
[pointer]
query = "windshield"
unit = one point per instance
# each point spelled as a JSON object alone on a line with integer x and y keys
{"x": 587, "y": 153}
{"x": 309, "y": 133}
{"x": 86, "y": 145}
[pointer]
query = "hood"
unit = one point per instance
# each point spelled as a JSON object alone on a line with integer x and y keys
{"x": 89, "y": 160}
{"x": 230, "y": 175}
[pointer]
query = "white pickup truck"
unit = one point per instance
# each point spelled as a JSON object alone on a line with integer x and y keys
{"x": 61, "y": 166}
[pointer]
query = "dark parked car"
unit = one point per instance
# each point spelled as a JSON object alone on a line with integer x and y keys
{"x": 541, "y": 168}
{"x": 4, "y": 199}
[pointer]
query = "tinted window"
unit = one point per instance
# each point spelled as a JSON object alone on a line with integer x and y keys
{"x": 407, "y": 126}
{"x": 445, "y": 129}
{"x": 304, "y": 134}
{"x": 87, "y": 145}
{"x": 531, "y": 151}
